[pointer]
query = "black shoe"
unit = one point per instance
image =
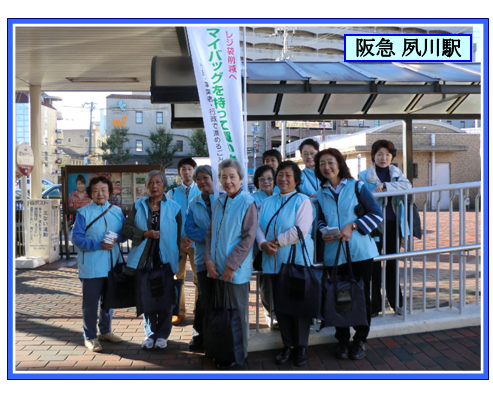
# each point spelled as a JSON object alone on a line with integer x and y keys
{"x": 284, "y": 355}
{"x": 342, "y": 350}
{"x": 225, "y": 365}
{"x": 358, "y": 350}
{"x": 300, "y": 357}
{"x": 196, "y": 343}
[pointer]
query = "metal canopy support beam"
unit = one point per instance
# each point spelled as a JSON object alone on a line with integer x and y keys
{"x": 36, "y": 174}
{"x": 407, "y": 147}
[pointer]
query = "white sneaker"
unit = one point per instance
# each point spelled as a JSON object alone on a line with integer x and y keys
{"x": 161, "y": 343}
{"x": 148, "y": 343}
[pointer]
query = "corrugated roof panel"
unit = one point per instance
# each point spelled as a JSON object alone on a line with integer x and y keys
{"x": 345, "y": 103}
{"x": 445, "y": 72}
{"x": 279, "y": 71}
{"x": 391, "y": 72}
{"x": 331, "y": 71}
{"x": 390, "y": 104}
{"x": 261, "y": 104}
{"x": 300, "y": 104}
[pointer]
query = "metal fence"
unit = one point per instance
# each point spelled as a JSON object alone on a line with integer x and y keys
{"x": 442, "y": 269}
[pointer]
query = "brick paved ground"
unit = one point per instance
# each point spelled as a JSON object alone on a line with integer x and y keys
{"x": 48, "y": 331}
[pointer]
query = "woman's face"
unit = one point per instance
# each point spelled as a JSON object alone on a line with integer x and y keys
{"x": 100, "y": 193}
{"x": 285, "y": 180}
{"x": 383, "y": 157}
{"x": 156, "y": 187}
{"x": 204, "y": 183}
{"x": 266, "y": 182}
{"x": 272, "y": 161}
{"x": 230, "y": 180}
{"x": 329, "y": 168}
{"x": 308, "y": 154}
{"x": 80, "y": 186}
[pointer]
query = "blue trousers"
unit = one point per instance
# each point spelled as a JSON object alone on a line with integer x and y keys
{"x": 92, "y": 289}
{"x": 158, "y": 324}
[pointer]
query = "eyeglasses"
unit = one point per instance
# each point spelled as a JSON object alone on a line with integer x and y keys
{"x": 265, "y": 179}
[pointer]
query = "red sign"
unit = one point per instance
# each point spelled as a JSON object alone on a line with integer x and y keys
{"x": 24, "y": 159}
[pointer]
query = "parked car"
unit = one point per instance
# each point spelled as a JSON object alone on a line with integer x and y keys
{"x": 51, "y": 192}
{"x": 45, "y": 183}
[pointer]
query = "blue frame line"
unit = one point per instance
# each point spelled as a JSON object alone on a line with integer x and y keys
{"x": 279, "y": 376}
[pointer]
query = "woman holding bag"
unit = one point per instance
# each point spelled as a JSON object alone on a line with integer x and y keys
{"x": 154, "y": 225}
{"x": 337, "y": 200}
{"x": 280, "y": 218}
{"x": 229, "y": 247}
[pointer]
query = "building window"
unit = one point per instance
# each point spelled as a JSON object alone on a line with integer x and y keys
{"x": 46, "y": 158}
{"x": 462, "y": 124}
{"x": 361, "y": 123}
{"x": 69, "y": 139}
{"x": 345, "y": 123}
{"x": 138, "y": 117}
{"x": 86, "y": 139}
{"x": 139, "y": 144}
{"x": 449, "y": 122}
{"x": 179, "y": 145}
{"x": 159, "y": 118}
{"x": 377, "y": 123}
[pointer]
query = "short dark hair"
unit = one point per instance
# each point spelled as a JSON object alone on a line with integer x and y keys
{"x": 344, "y": 172}
{"x": 187, "y": 160}
{"x": 272, "y": 152}
{"x": 382, "y": 143}
{"x": 81, "y": 178}
{"x": 294, "y": 167}
{"x": 259, "y": 172}
{"x": 96, "y": 180}
{"x": 311, "y": 142}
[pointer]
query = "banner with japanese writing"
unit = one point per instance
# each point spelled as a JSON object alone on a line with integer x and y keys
{"x": 217, "y": 67}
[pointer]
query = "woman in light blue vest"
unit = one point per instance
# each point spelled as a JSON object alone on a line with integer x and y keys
{"x": 280, "y": 217}
{"x": 309, "y": 182}
{"x": 154, "y": 225}
{"x": 382, "y": 176}
{"x": 197, "y": 222}
{"x": 229, "y": 244}
{"x": 263, "y": 179}
{"x": 337, "y": 200}
{"x": 95, "y": 258}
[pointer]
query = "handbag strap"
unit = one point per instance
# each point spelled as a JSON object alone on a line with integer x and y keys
{"x": 277, "y": 212}
{"x": 121, "y": 256}
{"x": 99, "y": 216}
{"x": 304, "y": 248}
{"x": 348, "y": 260}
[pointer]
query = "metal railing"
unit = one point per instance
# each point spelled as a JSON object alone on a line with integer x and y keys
{"x": 456, "y": 235}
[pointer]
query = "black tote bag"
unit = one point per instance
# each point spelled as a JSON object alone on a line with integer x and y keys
{"x": 298, "y": 288}
{"x": 119, "y": 289}
{"x": 222, "y": 330}
{"x": 343, "y": 303}
{"x": 155, "y": 287}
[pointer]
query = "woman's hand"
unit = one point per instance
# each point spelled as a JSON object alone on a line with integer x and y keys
{"x": 152, "y": 234}
{"x": 380, "y": 188}
{"x": 185, "y": 242}
{"x": 107, "y": 246}
{"x": 346, "y": 232}
{"x": 328, "y": 239}
{"x": 269, "y": 247}
{"x": 211, "y": 269}
{"x": 228, "y": 274}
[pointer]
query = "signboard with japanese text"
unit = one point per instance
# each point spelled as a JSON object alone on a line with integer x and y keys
{"x": 44, "y": 229}
{"x": 24, "y": 158}
{"x": 408, "y": 48}
{"x": 217, "y": 66}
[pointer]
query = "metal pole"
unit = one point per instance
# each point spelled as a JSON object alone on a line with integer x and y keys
{"x": 437, "y": 276}
{"x": 424, "y": 248}
{"x": 407, "y": 148}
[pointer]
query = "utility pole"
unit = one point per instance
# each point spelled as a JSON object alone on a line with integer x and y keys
{"x": 93, "y": 106}
{"x": 285, "y": 31}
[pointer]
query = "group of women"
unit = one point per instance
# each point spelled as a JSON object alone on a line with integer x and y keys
{"x": 230, "y": 229}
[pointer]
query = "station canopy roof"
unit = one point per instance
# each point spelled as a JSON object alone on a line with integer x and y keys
{"x": 119, "y": 58}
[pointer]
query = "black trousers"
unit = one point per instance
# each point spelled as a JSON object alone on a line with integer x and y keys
{"x": 361, "y": 269}
{"x": 294, "y": 330}
{"x": 390, "y": 272}
{"x": 203, "y": 301}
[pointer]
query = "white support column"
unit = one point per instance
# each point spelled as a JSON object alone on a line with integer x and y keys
{"x": 36, "y": 174}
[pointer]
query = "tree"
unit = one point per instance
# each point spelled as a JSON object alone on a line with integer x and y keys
{"x": 162, "y": 149}
{"x": 198, "y": 144}
{"x": 115, "y": 143}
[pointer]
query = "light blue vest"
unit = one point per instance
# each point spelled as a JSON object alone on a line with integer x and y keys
{"x": 309, "y": 182}
{"x": 96, "y": 264}
{"x": 260, "y": 196}
{"x": 201, "y": 218}
{"x": 179, "y": 195}
{"x": 397, "y": 204}
{"x": 285, "y": 220}
{"x": 168, "y": 248}
{"x": 226, "y": 233}
{"x": 340, "y": 214}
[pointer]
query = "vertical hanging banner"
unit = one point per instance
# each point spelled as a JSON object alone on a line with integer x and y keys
{"x": 217, "y": 67}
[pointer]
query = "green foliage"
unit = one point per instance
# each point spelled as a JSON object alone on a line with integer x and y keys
{"x": 198, "y": 144}
{"x": 115, "y": 144}
{"x": 162, "y": 149}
